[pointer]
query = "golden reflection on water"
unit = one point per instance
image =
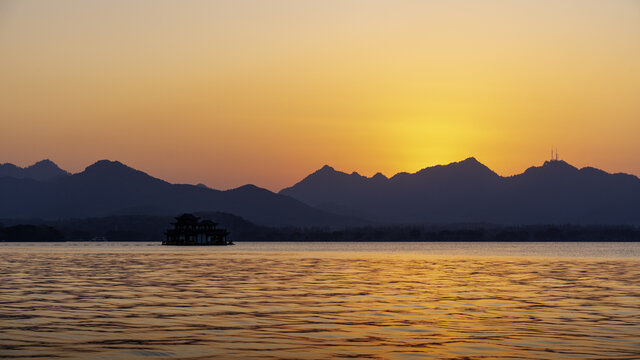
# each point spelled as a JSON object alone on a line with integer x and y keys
{"x": 293, "y": 305}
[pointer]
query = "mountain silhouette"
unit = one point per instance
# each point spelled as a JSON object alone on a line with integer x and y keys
{"x": 469, "y": 192}
{"x": 42, "y": 170}
{"x": 112, "y": 188}
{"x": 461, "y": 192}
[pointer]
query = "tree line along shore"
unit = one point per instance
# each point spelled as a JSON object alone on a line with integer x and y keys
{"x": 151, "y": 228}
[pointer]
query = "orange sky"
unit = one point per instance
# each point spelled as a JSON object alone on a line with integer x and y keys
{"x": 233, "y": 92}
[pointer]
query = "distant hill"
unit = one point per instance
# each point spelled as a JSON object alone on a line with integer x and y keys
{"x": 461, "y": 192}
{"x": 116, "y": 228}
{"x": 112, "y": 188}
{"x": 469, "y": 192}
{"x": 42, "y": 170}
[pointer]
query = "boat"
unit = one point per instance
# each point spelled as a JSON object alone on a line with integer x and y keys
{"x": 190, "y": 230}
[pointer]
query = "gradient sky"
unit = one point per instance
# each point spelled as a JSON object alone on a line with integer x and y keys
{"x": 233, "y": 92}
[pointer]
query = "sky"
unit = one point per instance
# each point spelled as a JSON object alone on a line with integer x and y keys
{"x": 227, "y": 93}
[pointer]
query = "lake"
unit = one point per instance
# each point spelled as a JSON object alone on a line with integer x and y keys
{"x": 320, "y": 300}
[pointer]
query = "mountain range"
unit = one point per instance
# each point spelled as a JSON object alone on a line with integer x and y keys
{"x": 469, "y": 192}
{"x": 109, "y": 188}
{"x": 461, "y": 192}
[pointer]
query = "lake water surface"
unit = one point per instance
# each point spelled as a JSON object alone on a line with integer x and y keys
{"x": 320, "y": 300}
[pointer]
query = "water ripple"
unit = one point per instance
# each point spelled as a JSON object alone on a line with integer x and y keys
{"x": 297, "y": 305}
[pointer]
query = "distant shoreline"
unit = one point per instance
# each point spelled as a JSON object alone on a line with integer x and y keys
{"x": 152, "y": 231}
{"x": 341, "y": 241}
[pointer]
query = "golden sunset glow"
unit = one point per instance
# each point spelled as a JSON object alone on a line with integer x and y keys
{"x": 264, "y": 92}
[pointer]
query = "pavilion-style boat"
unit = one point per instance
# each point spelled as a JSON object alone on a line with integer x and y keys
{"x": 189, "y": 230}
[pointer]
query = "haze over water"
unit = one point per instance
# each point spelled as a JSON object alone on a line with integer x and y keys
{"x": 321, "y": 300}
